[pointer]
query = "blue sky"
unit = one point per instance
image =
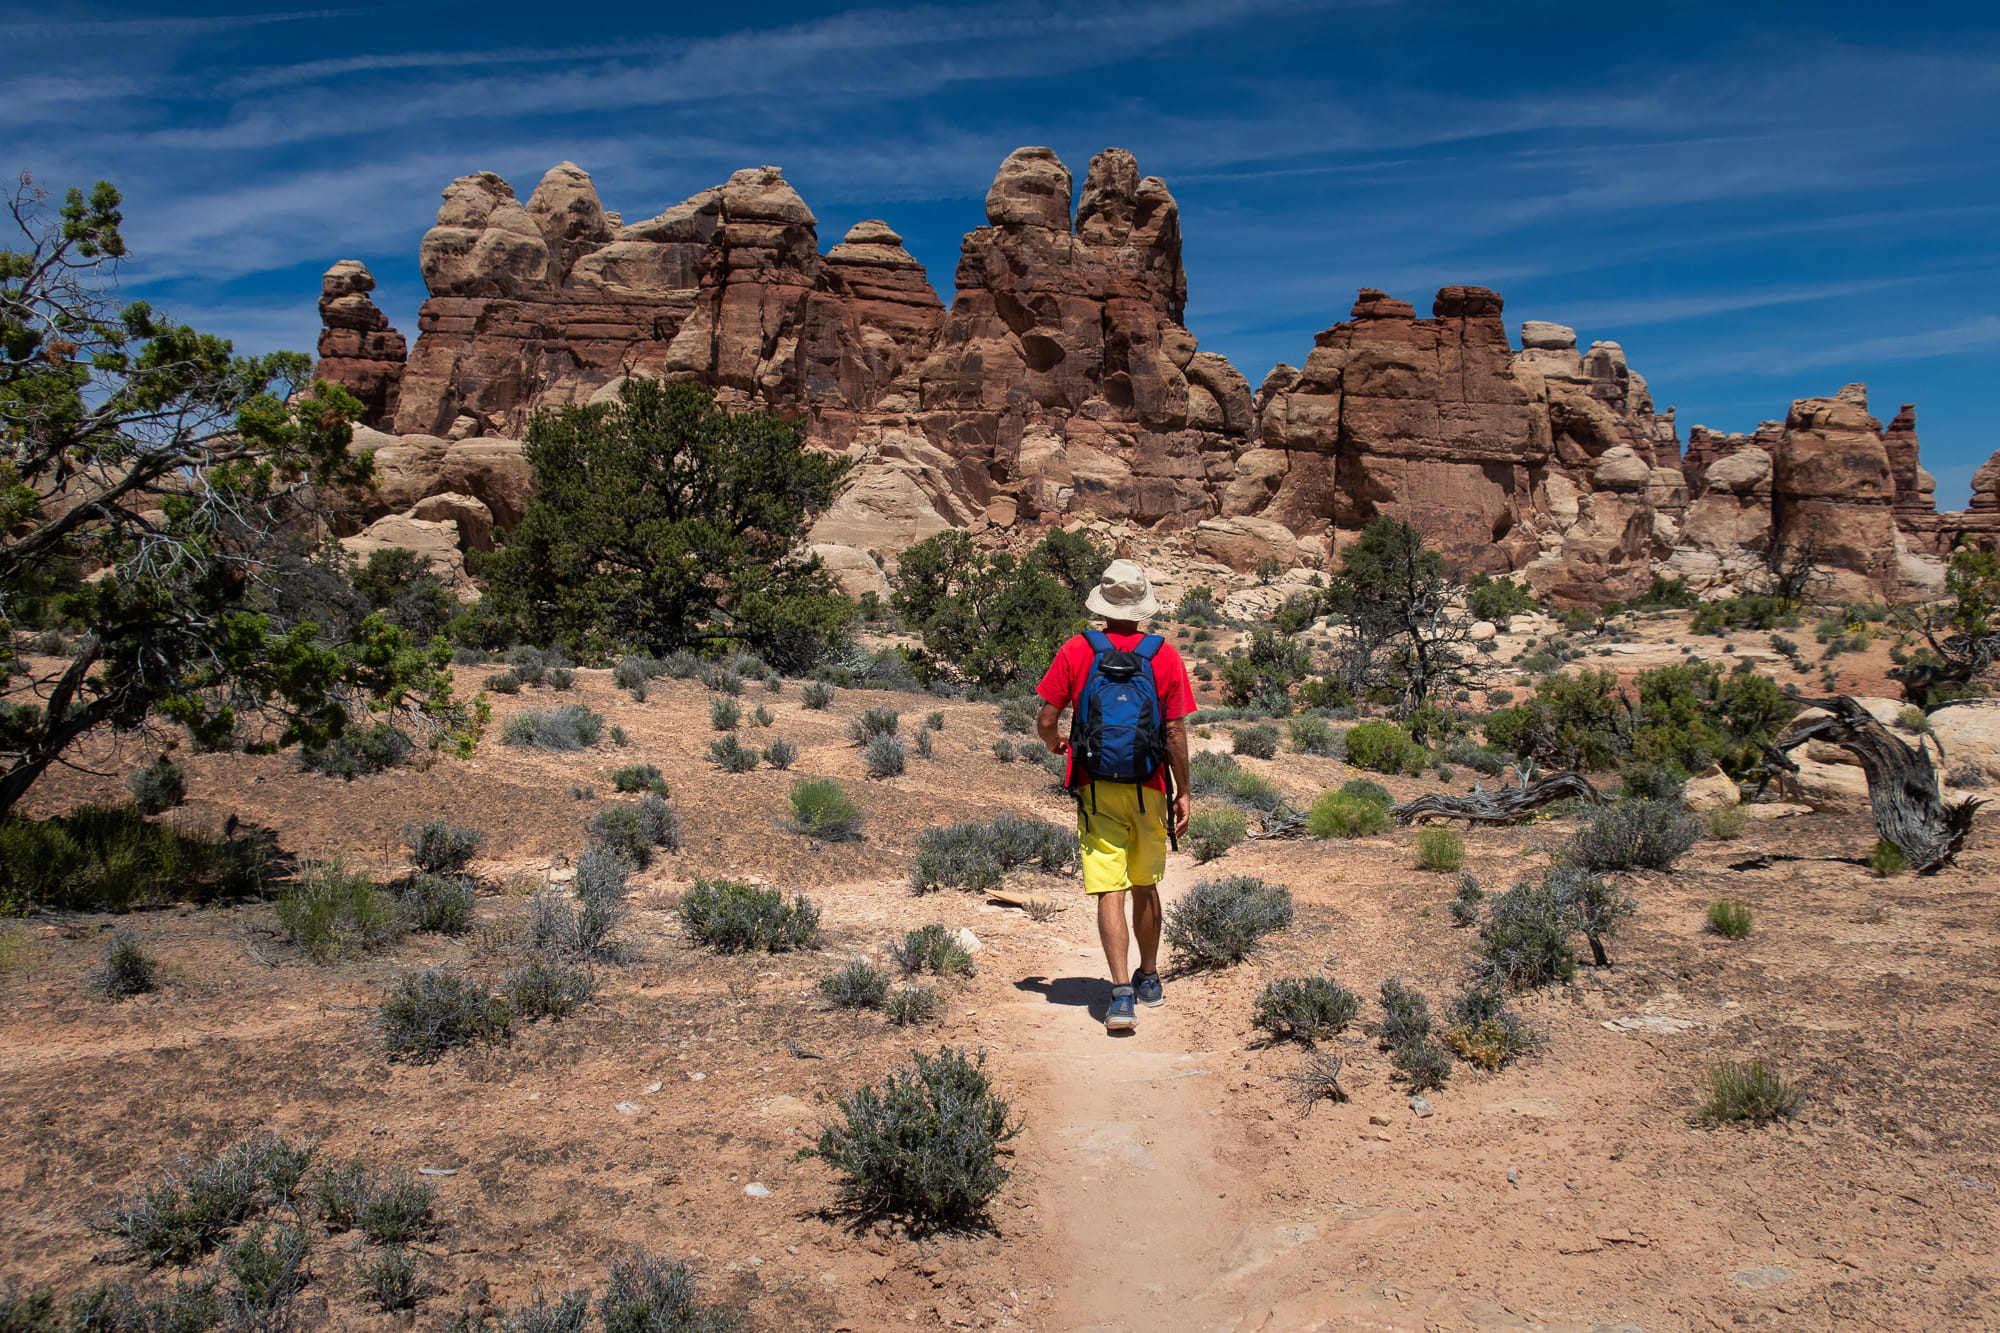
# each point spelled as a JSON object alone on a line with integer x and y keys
{"x": 1760, "y": 201}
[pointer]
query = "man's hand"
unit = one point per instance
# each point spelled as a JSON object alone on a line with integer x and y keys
{"x": 1045, "y": 726}
{"x": 1180, "y": 813}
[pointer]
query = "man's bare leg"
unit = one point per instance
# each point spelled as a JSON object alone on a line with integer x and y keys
{"x": 1112, "y": 934}
{"x": 1146, "y": 925}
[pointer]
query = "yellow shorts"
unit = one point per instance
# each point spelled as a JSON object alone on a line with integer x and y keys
{"x": 1122, "y": 845}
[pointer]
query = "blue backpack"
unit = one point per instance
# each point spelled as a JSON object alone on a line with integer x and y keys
{"x": 1119, "y": 733}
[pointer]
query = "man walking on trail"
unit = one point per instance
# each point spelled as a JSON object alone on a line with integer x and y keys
{"x": 1127, "y": 740}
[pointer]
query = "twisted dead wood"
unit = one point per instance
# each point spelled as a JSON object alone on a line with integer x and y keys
{"x": 1502, "y": 807}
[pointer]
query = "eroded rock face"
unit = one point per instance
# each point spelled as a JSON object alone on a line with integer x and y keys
{"x": 357, "y": 348}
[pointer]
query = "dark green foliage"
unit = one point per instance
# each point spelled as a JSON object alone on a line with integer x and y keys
{"x": 911, "y": 1006}
{"x": 663, "y": 521}
{"x": 1259, "y": 742}
{"x": 732, "y": 917}
{"x": 1887, "y": 860}
{"x": 1311, "y": 735}
{"x": 873, "y": 723}
{"x": 1647, "y": 834}
{"x": 1684, "y": 717}
{"x": 993, "y": 619}
{"x": 1220, "y": 922}
{"x": 731, "y": 755}
{"x": 781, "y": 754}
{"x": 545, "y": 988}
{"x": 855, "y": 986}
{"x": 104, "y": 859}
{"x": 934, "y": 721}
{"x": 355, "y": 752}
{"x": 926, "y": 1147}
{"x": 1305, "y": 1008}
{"x": 818, "y": 694}
{"x": 1003, "y": 750}
{"x": 1440, "y": 849}
{"x": 1525, "y": 938}
{"x": 30, "y": 1311}
{"x": 978, "y": 855}
{"x": 332, "y": 912}
{"x": 160, "y": 785}
{"x": 430, "y": 1012}
{"x": 932, "y": 949}
{"x": 441, "y": 848}
{"x": 1368, "y": 790}
{"x": 1345, "y": 814}
{"x": 1729, "y": 919}
{"x": 639, "y": 777}
{"x": 1405, "y": 637}
{"x": 129, "y": 968}
{"x": 1480, "y": 1028}
{"x": 441, "y": 903}
{"x": 885, "y": 757}
{"x": 1497, "y": 599}
{"x": 1382, "y": 746}
{"x": 571, "y": 727}
{"x": 1214, "y": 774}
{"x": 1270, "y": 665}
{"x": 822, "y": 809}
{"x": 1197, "y": 606}
{"x": 1213, "y": 831}
{"x": 391, "y": 1280}
{"x": 267, "y": 1268}
{"x": 560, "y": 678}
{"x": 1747, "y": 1090}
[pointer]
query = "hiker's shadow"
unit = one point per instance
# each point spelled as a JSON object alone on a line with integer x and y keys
{"x": 1092, "y": 993}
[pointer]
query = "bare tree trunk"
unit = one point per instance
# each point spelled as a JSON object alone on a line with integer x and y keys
{"x": 1501, "y": 807}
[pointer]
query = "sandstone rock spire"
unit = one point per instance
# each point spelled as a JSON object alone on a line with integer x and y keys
{"x": 357, "y": 347}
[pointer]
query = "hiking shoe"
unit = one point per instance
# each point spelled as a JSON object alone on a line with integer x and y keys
{"x": 1146, "y": 989}
{"x": 1121, "y": 1017}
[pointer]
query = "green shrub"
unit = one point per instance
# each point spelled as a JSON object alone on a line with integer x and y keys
{"x": 1425, "y": 1067}
{"x": 545, "y": 988}
{"x": 926, "y": 1146}
{"x": 1219, "y": 922}
{"x": 1003, "y": 750}
{"x": 1019, "y": 714}
{"x": 724, "y": 714}
{"x": 502, "y": 682}
{"x": 1587, "y": 903}
{"x": 874, "y": 722}
{"x": 1497, "y": 599}
{"x": 1525, "y": 938}
{"x": 160, "y": 785}
{"x": 1628, "y": 834}
{"x": 1482, "y": 1030}
{"x": 113, "y": 859}
{"x": 634, "y": 831}
{"x": 781, "y": 754}
{"x": 391, "y": 1280}
{"x": 1640, "y": 781}
{"x": 934, "y": 721}
{"x": 1213, "y": 831}
{"x": 619, "y": 737}
{"x": 885, "y": 757}
{"x": 732, "y": 917}
{"x": 1440, "y": 849}
{"x": 631, "y": 672}
{"x": 440, "y": 903}
{"x": 190, "y": 1210}
{"x": 978, "y": 854}
{"x": 731, "y": 755}
{"x": 1406, "y": 1031}
{"x": 1367, "y": 789}
{"x": 1260, "y": 742}
{"x": 817, "y": 695}
{"x": 1727, "y": 823}
{"x": 855, "y": 986}
{"x": 267, "y": 1268}
{"x": 1214, "y": 774}
{"x": 924, "y": 746}
{"x": 428, "y": 1013}
{"x": 332, "y": 912}
{"x": 645, "y": 1294}
{"x": 1305, "y": 1008}
{"x": 822, "y": 809}
{"x": 659, "y": 826}
{"x": 438, "y": 847}
{"x": 934, "y": 950}
{"x": 911, "y": 1006}
{"x": 1729, "y": 918}
{"x": 356, "y": 752}
{"x": 1311, "y": 735}
{"x": 571, "y": 727}
{"x": 1888, "y": 860}
{"x": 560, "y": 678}
{"x": 397, "y": 1211}
{"x": 129, "y": 968}
{"x": 1746, "y": 1091}
{"x": 1381, "y": 746}
{"x": 721, "y": 679}
{"x": 639, "y": 777}
{"x": 1339, "y": 814}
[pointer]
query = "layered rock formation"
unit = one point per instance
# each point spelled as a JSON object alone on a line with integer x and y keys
{"x": 1061, "y": 386}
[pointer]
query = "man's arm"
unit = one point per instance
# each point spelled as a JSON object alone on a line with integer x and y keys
{"x": 1177, "y": 757}
{"x": 1045, "y": 726}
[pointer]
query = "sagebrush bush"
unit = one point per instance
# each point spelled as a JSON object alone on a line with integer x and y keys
{"x": 978, "y": 854}
{"x": 818, "y": 694}
{"x": 430, "y": 1012}
{"x": 639, "y": 777}
{"x": 885, "y": 757}
{"x": 1311, "y": 735}
{"x": 1259, "y": 742}
{"x": 724, "y": 714}
{"x": 1747, "y": 1090}
{"x": 926, "y": 1147}
{"x": 1728, "y": 823}
{"x": 781, "y": 754}
{"x": 1340, "y": 814}
{"x": 1003, "y": 750}
{"x": 189, "y": 1211}
{"x": 1652, "y": 782}
{"x": 1211, "y": 773}
{"x": 1588, "y": 903}
{"x": 912, "y": 1005}
{"x": 1213, "y": 831}
{"x": 1220, "y": 922}
{"x": 1482, "y": 1030}
{"x": 731, "y": 755}
{"x": 631, "y": 672}
{"x": 1406, "y": 1014}
{"x": 873, "y": 723}
{"x": 924, "y": 745}
{"x": 732, "y": 917}
{"x": 1019, "y": 714}
{"x": 1425, "y": 1066}
{"x": 439, "y": 847}
{"x": 821, "y": 808}
{"x": 645, "y": 1294}
{"x": 934, "y": 721}
{"x": 333, "y": 912}
{"x": 502, "y": 682}
{"x": 1307, "y": 1009}
{"x": 571, "y": 727}
{"x": 1634, "y": 834}
{"x": 1465, "y": 903}
{"x": 1440, "y": 849}
{"x": 1888, "y": 860}
{"x": 267, "y": 1269}
{"x": 1368, "y": 789}
{"x": 440, "y": 903}
{"x": 1729, "y": 919}
{"x": 934, "y": 950}
{"x": 160, "y": 785}
{"x": 546, "y": 988}
{"x": 602, "y": 873}
{"x": 1381, "y": 746}
{"x": 129, "y": 967}
{"x": 858, "y": 985}
{"x": 1525, "y": 938}
{"x": 391, "y": 1280}
{"x": 356, "y": 752}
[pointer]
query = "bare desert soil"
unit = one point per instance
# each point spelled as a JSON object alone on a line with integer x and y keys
{"x": 1165, "y": 1180}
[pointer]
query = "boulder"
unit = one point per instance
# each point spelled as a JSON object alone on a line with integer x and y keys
{"x": 437, "y": 543}
{"x": 473, "y": 519}
{"x": 1969, "y": 736}
{"x": 1243, "y": 542}
{"x": 1710, "y": 789}
{"x": 855, "y": 571}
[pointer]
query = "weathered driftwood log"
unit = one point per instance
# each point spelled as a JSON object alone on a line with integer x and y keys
{"x": 1503, "y": 806}
{"x": 1902, "y": 782}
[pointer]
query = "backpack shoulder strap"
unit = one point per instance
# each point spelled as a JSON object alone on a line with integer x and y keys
{"x": 1099, "y": 641}
{"x": 1149, "y": 646}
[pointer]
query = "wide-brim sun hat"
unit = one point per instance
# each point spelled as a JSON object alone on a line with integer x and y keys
{"x": 1123, "y": 593}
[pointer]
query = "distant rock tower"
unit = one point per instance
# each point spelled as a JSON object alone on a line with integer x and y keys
{"x": 357, "y": 348}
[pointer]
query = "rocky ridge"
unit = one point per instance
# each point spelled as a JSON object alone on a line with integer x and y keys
{"x": 1061, "y": 387}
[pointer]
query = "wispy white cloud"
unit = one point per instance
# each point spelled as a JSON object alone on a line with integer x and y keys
{"x": 165, "y": 25}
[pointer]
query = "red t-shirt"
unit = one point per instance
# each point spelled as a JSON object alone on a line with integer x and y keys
{"x": 1064, "y": 682}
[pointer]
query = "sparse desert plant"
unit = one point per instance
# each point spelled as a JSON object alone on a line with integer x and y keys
{"x": 439, "y": 847}
{"x": 817, "y": 695}
{"x": 440, "y": 903}
{"x": 1729, "y": 919}
{"x": 932, "y": 950}
{"x": 1317, "y": 1080}
{"x": 129, "y": 967}
{"x": 1341, "y": 814}
{"x": 1728, "y": 823}
{"x": 1747, "y": 1090}
{"x": 873, "y": 723}
{"x": 762, "y": 716}
{"x": 1966, "y": 777}
{"x": 1213, "y": 831}
{"x": 646, "y": 1294}
{"x": 1913, "y": 719}
{"x": 1220, "y": 922}
{"x": 934, "y": 722}
{"x": 1018, "y": 714}
{"x": 620, "y": 738}
{"x": 1425, "y": 1066}
{"x": 1003, "y": 750}
{"x": 1368, "y": 789}
{"x": 1311, "y": 735}
{"x": 502, "y": 682}
{"x": 1465, "y": 903}
{"x": 397, "y": 1210}
{"x": 659, "y": 826}
{"x": 1214, "y": 774}
{"x": 571, "y": 727}
{"x": 430, "y": 1012}
{"x": 1525, "y": 938}
{"x": 858, "y": 985}
{"x": 190, "y": 1210}
{"x": 926, "y": 1146}
{"x": 1304, "y": 1008}
{"x": 560, "y": 678}
{"x": 781, "y": 754}
{"x": 724, "y": 714}
{"x": 978, "y": 854}
{"x": 160, "y": 785}
{"x": 332, "y": 912}
{"x": 638, "y": 777}
{"x": 1381, "y": 746}
{"x": 356, "y": 752}
{"x": 1259, "y": 742}
{"x": 1481, "y": 1029}
{"x": 721, "y": 679}
{"x": 1406, "y": 1014}
{"x": 391, "y": 1280}
{"x": 267, "y": 1268}
{"x": 821, "y": 808}
{"x": 912, "y": 1005}
{"x": 732, "y": 917}
{"x": 1588, "y": 903}
{"x": 1888, "y": 860}
{"x": 545, "y": 988}
{"x": 925, "y": 747}
{"x": 885, "y": 757}
{"x": 631, "y": 672}
{"x": 731, "y": 755}
{"x": 1640, "y": 781}
{"x": 1628, "y": 834}
{"x": 1440, "y": 849}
